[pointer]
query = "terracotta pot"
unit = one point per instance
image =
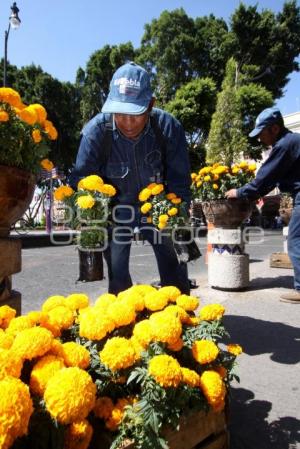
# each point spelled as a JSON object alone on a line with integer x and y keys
{"x": 285, "y": 214}
{"x": 16, "y": 192}
{"x": 227, "y": 213}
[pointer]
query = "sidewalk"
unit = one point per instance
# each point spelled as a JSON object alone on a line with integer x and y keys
{"x": 265, "y": 406}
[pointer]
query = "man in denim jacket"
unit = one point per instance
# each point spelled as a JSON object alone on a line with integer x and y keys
{"x": 135, "y": 160}
{"x": 282, "y": 169}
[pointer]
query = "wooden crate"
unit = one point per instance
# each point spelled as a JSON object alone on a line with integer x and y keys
{"x": 197, "y": 431}
{"x": 280, "y": 260}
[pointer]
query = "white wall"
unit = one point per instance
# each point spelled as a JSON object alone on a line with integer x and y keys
{"x": 292, "y": 122}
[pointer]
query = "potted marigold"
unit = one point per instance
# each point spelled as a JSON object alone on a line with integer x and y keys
{"x": 24, "y": 136}
{"x": 142, "y": 366}
{"x": 88, "y": 211}
{"x": 209, "y": 186}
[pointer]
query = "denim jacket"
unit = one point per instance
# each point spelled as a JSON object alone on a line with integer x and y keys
{"x": 133, "y": 164}
{"x": 282, "y": 169}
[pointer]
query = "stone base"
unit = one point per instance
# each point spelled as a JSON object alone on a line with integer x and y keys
{"x": 228, "y": 272}
{"x": 13, "y": 301}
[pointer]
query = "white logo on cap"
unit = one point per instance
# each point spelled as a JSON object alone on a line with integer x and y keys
{"x": 125, "y": 82}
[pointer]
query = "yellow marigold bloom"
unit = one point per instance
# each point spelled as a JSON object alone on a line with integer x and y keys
{"x": 190, "y": 377}
{"x": 173, "y": 211}
{"x": 170, "y": 292}
{"x": 6, "y": 340}
{"x": 193, "y": 320}
{"x": 199, "y": 183}
{"x": 171, "y": 196}
{"x": 77, "y": 301}
{"x": 15, "y": 410}
{"x": 117, "y": 414}
{"x": 157, "y": 189}
{"x": 138, "y": 347}
{"x": 103, "y": 407}
{"x": 50, "y": 130}
{"x": 216, "y": 178}
{"x": 177, "y": 346}
{"x": 146, "y": 207}
{"x": 134, "y": 299}
{"x": 108, "y": 189}
{"x": 42, "y": 371}
{"x": 163, "y": 218}
{"x": 235, "y": 170}
{"x": 121, "y": 313}
{"x": 193, "y": 176}
{"x": 145, "y": 194}
{"x": 36, "y": 136}
{"x": 155, "y": 300}
{"x": 35, "y": 316}
{"x": 46, "y": 164}
{"x": 235, "y": 349}
{"x": 92, "y": 182}
{"x": 75, "y": 354}
{"x": 18, "y": 324}
{"x": 165, "y": 370}
{"x": 151, "y": 185}
{"x": 187, "y": 302}
{"x": 243, "y": 164}
{"x": 205, "y": 351}
{"x": 56, "y": 348}
{"x": 10, "y": 96}
{"x": 63, "y": 192}
{"x": 70, "y": 395}
{"x": 4, "y": 117}
{"x": 215, "y": 186}
{"x": 213, "y": 388}
{"x": 95, "y": 325}
{"x": 207, "y": 178}
{"x": 178, "y": 312}
{"x": 143, "y": 333}
{"x": 52, "y": 302}
{"x": 252, "y": 167}
{"x": 85, "y": 202}
{"x": 31, "y": 343}
{"x": 118, "y": 353}
{"x": 40, "y": 111}
{"x": 10, "y": 364}
{"x": 162, "y": 225}
{"x": 28, "y": 115}
{"x": 58, "y": 319}
{"x": 211, "y": 312}
{"x": 176, "y": 201}
{"x": 143, "y": 289}
{"x": 165, "y": 327}
{"x": 6, "y": 315}
{"x": 103, "y": 301}
{"x": 78, "y": 435}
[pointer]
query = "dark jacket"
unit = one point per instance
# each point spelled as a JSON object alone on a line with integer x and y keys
{"x": 281, "y": 169}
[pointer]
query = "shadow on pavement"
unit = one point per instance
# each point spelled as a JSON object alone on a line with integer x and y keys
{"x": 249, "y": 428}
{"x": 265, "y": 283}
{"x": 279, "y": 340}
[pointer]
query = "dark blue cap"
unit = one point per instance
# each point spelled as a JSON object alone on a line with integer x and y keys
{"x": 130, "y": 91}
{"x": 265, "y": 118}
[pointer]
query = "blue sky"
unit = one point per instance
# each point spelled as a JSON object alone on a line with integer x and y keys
{"x": 60, "y": 35}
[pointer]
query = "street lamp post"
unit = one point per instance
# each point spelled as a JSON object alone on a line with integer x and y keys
{"x": 14, "y": 22}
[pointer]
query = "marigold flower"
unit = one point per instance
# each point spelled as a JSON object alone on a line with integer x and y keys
{"x": 176, "y": 201}
{"x": 173, "y": 211}
{"x": 133, "y": 298}
{"x": 63, "y": 192}
{"x": 77, "y": 301}
{"x": 6, "y": 315}
{"x": 171, "y": 196}
{"x": 10, "y": 364}
{"x": 234, "y": 349}
{"x": 10, "y": 96}
{"x": 162, "y": 225}
{"x": 31, "y": 343}
{"x": 155, "y": 300}
{"x": 190, "y": 377}
{"x": 85, "y": 202}
{"x": 92, "y": 182}
{"x": 4, "y": 117}
{"x": 165, "y": 370}
{"x": 178, "y": 312}
{"x": 75, "y": 354}
{"x": 15, "y": 410}
{"x": 18, "y": 324}
{"x": 177, "y": 346}
{"x": 103, "y": 301}
{"x": 143, "y": 289}
{"x": 212, "y": 312}
{"x": 163, "y": 218}
{"x": 103, "y": 407}
{"x": 43, "y": 370}
{"x": 6, "y": 340}
{"x": 146, "y": 207}
{"x": 215, "y": 186}
{"x": 121, "y": 313}
{"x": 108, "y": 190}
{"x": 117, "y": 414}
{"x": 94, "y": 325}
{"x": 165, "y": 327}
{"x": 205, "y": 351}
{"x": 252, "y": 167}
{"x": 46, "y": 164}
{"x": 171, "y": 292}
{"x": 52, "y": 302}
{"x": 118, "y": 353}
{"x": 207, "y": 178}
{"x": 40, "y": 111}
{"x": 58, "y": 319}
{"x": 35, "y": 316}
{"x": 214, "y": 389}
{"x": 78, "y": 435}
{"x": 145, "y": 194}
{"x": 50, "y": 130}
{"x": 187, "y": 302}
{"x": 28, "y": 115}
{"x": 70, "y": 395}
{"x": 157, "y": 189}
{"x": 143, "y": 333}
{"x": 36, "y": 136}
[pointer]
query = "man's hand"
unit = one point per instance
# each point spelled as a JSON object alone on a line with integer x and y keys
{"x": 232, "y": 193}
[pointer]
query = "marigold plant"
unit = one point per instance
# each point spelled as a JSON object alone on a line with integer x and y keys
{"x": 25, "y": 132}
{"x": 211, "y": 182}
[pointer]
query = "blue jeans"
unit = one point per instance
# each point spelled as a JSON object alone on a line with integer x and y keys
{"x": 117, "y": 258}
{"x": 294, "y": 242}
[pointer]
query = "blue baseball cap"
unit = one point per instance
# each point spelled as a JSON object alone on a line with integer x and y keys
{"x": 130, "y": 91}
{"x": 265, "y": 118}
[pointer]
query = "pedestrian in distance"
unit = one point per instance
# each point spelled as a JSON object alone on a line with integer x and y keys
{"x": 131, "y": 144}
{"x": 281, "y": 169}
